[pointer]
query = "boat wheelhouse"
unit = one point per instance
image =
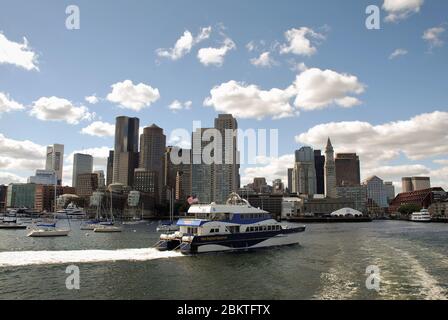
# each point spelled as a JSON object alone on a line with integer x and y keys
{"x": 235, "y": 225}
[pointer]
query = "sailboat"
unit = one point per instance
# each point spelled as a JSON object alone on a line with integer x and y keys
{"x": 49, "y": 230}
{"x": 136, "y": 220}
{"x": 169, "y": 226}
{"x": 91, "y": 225}
{"x": 106, "y": 227}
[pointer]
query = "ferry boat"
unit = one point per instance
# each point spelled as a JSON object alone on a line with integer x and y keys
{"x": 230, "y": 227}
{"x": 422, "y": 216}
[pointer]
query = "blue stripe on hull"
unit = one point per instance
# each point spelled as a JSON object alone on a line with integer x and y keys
{"x": 236, "y": 241}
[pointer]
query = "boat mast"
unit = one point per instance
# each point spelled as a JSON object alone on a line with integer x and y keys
{"x": 55, "y": 185}
{"x": 111, "y": 214}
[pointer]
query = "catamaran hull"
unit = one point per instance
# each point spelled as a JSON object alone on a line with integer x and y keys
{"x": 234, "y": 242}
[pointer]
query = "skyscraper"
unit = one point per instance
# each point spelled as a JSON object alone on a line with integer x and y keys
{"x": 319, "y": 163}
{"x": 226, "y": 173}
{"x": 55, "y": 160}
{"x": 201, "y": 173}
{"x": 415, "y": 183}
{"x": 177, "y": 176}
{"x": 101, "y": 179}
{"x": 304, "y": 175}
{"x": 82, "y": 163}
{"x": 110, "y": 168}
{"x": 376, "y": 191}
{"x": 152, "y": 150}
{"x": 330, "y": 171}
{"x": 390, "y": 191}
{"x": 126, "y": 150}
{"x": 347, "y": 169}
{"x": 290, "y": 173}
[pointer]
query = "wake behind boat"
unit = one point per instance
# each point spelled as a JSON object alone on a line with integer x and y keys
{"x": 233, "y": 226}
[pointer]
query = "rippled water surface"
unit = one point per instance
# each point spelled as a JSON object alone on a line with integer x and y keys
{"x": 330, "y": 263}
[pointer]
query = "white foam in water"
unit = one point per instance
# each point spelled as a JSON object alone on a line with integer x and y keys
{"x": 26, "y": 258}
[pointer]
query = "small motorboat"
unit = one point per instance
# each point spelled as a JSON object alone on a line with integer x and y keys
{"x": 167, "y": 227}
{"x": 11, "y": 224}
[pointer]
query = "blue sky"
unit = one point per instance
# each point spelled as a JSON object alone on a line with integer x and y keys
{"x": 118, "y": 41}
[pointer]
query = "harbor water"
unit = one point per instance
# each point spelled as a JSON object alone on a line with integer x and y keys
{"x": 330, "y": 263}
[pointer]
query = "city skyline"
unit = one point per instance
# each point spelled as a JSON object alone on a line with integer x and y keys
{"x": 396, "y": 126}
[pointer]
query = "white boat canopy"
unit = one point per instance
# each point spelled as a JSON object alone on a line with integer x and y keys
{"x": 346, "y": 212}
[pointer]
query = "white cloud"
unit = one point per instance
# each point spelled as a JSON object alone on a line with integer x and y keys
{"x": 271, "y": 169}
{"x": 184, "y": 44}
{"x": 432, "y": 36}
{"x": 251, "y": 46}
{"x": 134, "y": 97}
{"x": 99, "y": 129}
{"x": 249, "y": 101}
{"x": 318, "y": 88}
{"x": 7, "y": 104}
{"x": 8, "y": 177}
{"x": 20, "y": 149}
{"x": 264, "y": 60}
{"x": 397, "y": 172}
{"x": 20, "y": 155}
{"x": 18, "y": 54}
{"x": 301, "y": 41}
{"x": 99, "y": 161}
{"x": 312, "y": 89}
{"x": 420, "y": 137}
{"x": 441, "y": 161}
{"x": 92, "y": 99}
{"x": 401, "y": 9}
{"x": 397, "y": 53}
{"x": 99, "y": 155}
{"x": 59, "y": 109}
{"x": 176, "y": 105}
{"x": 179, "y": 141}
{"x": 215, "y": 56}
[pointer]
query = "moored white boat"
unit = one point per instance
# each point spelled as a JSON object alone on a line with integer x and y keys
{"x": 422, "y": 216}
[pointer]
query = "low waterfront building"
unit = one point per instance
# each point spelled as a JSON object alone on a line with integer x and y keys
{"x": 439, "y": 209}
{"x": 21, "y": 195}
{"x": 290, "y": 206}
{"x": 266, "y": 201}
{"x": 422, "y": 198}
{"x": 44, "y": 196}
{"x": 357, "y": 193}
{"x": 323, "y": 206}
